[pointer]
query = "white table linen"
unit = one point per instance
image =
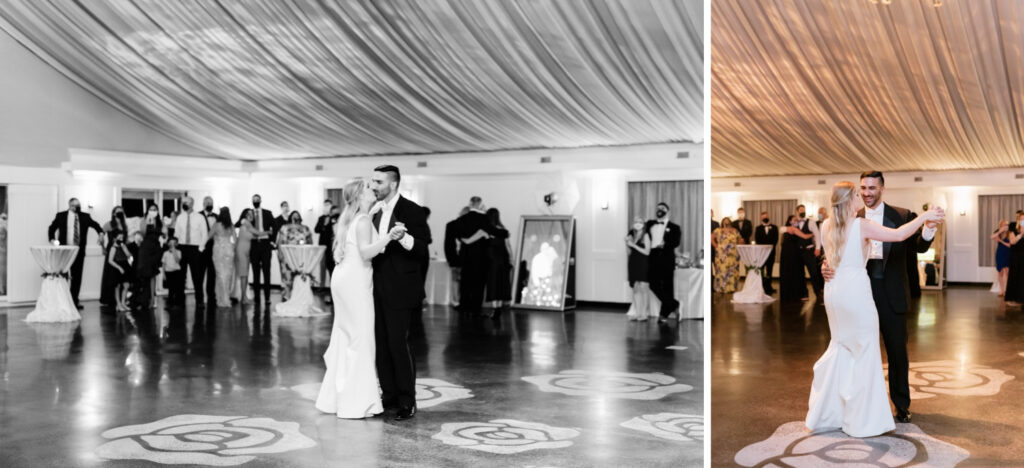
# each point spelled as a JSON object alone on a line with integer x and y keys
{"x": 688, "y": 286}
{"x": 304, "y": 261}
{"x": 54, "y": 303}
{"x": 753, "y": 291}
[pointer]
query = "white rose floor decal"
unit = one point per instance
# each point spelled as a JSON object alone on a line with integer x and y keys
{"x": 202, "y": 440}
{"x": 929, "y": 379}
{"x": 610, "y": 384}
{"x": 429, "y": 392}
{"x": 505, "y": 436}
{"x": 670, "y": 426}
{"x": 793, "y": 446}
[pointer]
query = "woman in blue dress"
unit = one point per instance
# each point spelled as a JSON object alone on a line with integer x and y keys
{"x": 1002, "y": 238}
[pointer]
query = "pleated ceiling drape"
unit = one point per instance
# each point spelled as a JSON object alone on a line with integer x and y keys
{"x": 262, "y": 79}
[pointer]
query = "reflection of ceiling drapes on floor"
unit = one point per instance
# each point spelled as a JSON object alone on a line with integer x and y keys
{"x": 258, "y": 79}
{"x": 811, "y": 86}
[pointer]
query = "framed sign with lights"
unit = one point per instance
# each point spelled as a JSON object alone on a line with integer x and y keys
{"x": 545, "y": 268}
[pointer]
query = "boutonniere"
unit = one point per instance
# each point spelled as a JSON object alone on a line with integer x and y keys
{"x": 667, "y": 229}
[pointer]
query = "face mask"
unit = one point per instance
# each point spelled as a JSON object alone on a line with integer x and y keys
{"x": 185, "y": 206}
{"x": 209, "y": 207}
{"x": 119, "y": 213}
{"x": 255, "y": 204}
{"x": 802, "y": 215}
{"x": 661, "y": 213}
{"x": 764, "y": 220}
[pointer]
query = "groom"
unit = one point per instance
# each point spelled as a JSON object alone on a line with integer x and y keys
{"x": 887, "y": 269}
{"x": 397, "y": 289}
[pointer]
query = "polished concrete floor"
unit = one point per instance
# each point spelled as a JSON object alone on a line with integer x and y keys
{"x": 231, "y": 387}
{"x": 967, "y": 384}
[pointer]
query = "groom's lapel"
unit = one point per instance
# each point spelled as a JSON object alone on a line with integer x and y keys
{"x": 395, "y": 213}
{"x": 376, "y": 220}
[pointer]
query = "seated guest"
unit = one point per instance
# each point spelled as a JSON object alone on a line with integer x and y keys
{"x": 71, "y": 227}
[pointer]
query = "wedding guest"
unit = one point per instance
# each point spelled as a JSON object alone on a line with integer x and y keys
{"x": 117, "y": 222}
{"x": 499, "y": 275}
{"x": 262, "y": 245}
{"x": 293, "y": 233}
{"x": 474, "y": 256}
{"x": 243, "y": 248}
{"x": 119, "y": 259}
{"x": 148, "y": 260}
{"x": 767, "y": 234}
{"x": 810, "y": 250}
{"x": 223, "y": 257}
{"x": 665, "y": 239}
{"x": 1002, "y": 238}
{"x": 1015, "y": 276}
{"x": 192, "y": 233}
{"x": 280, "y": 222}
{"x": 743, "y": 225}
{"x": 430, "y": 240}
{"x": 174, "y": 275}
{"x": 210, "y": 215}
{"x": 714, "y": 226}
{"x": 792, "y": 285}
{"x": 724, "y": 241}
{"x": 71, "y": 227}
{"x": 452, "y": 246}
{"x": 3, "y": 254}
{"x": 325, "y": 232}
{"x": 638, "y": 241}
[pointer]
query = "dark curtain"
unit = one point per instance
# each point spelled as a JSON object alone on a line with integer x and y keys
{"x": 992, "y": 209}
{"x": 335, "y": 196}
{"x": 3, "y": 240}
{"x": 685, "y": 198}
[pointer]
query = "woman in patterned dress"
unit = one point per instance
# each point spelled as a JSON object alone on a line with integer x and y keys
{"x": 293, "y": 233}
{"x": 725, "y": 240}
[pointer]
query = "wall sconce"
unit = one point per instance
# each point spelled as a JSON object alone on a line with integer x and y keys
{"x": 604, "y": 205}
{"x": 963, "y": 212}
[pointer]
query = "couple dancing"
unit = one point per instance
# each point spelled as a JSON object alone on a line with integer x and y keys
{"x": 380, "y": 244}
{"x": 867, "y": 291}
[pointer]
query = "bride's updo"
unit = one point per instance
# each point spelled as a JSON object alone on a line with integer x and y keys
{"x": 842, "y": 197}
{"x": 350, "y": 196}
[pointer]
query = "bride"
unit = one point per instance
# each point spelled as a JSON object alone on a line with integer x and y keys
{"x": 848, "y": 390}
{"x": 350, "y": 388}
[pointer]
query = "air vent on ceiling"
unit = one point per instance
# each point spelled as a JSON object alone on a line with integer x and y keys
{"x": 1018, "y": 176}
{"x": 683, "y": 155}
{"x": 319, "y": 167}
{"x": 421, "y": 164}
{"x": 735, "y": 184}
{"x": 821, "y": 181}
{"x": 918, "y": 179}
{"x": 545, "y": 159}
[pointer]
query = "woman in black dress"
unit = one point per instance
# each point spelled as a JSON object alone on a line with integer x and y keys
{"x": 119, "y": 259}
{"x": 792, "y": 285}
{"x": 639, "y": 242}
{"x": 148, "y": 259}
{"x": 1015, "y": 279}
{"x": 108, "y": 282}
{"x": 499, "y": 275}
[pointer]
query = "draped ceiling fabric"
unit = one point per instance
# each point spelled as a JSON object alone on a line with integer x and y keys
{"x": 269, "y": 79}
{"x": 818, "y": 87}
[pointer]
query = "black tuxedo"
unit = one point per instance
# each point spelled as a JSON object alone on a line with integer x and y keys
{"x": 745, "y": 228}
{"x": 475, "y": 261}
{"x": 661, "y": 266}
{"x": 451, "y": 242}
{"x": 891, "y": 293}
{"x": 767, "y": 234}
{"x": 260, "y": 251}
{"x": 207, "y": 257}
{"x": 59, "y": 230}
{"x": 398, "y": 295}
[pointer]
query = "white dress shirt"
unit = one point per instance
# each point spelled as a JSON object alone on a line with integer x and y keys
{"x": 195, "y": 231}
{"x": 387, "y": 208}
{"x": 71, "y": 228}
{"x": 877, "y": 214}
{"x": 658, "y": 232}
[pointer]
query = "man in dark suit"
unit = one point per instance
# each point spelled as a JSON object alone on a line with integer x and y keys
{"x": 71, "y": 227}
{"x": 325, "y": 226}
{"x": 211, "y": 273}
{"x": 451, "y": 253}
{"x": 397, "y": 288}
{"x": 260, "y": 252}
{"x": 767, "y": 234}
{"x": 473, "y": 256}
{"x": 887, "y": 269}
{"x": 810, "y": 250}
{"x": 661, "y": 263}
{"x": 743, "y": 225}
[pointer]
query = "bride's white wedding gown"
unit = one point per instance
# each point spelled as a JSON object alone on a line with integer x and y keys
{"x": 350, "y": 388}
{"x": 848, "y": 391}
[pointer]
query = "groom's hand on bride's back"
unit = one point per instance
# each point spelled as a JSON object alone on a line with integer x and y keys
{"x": 826, "y": 271}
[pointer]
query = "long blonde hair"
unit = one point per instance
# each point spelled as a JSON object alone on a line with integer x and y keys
{"x": 842, "y": 197}
{"x": 350, "y": 196}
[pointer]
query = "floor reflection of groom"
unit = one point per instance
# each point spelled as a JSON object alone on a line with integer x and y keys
{"x": 887, "y": 269}
{"x": 397, "y": 289}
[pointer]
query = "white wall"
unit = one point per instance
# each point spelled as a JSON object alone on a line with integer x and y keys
{"x": 957, "y": 191}
{"x": 43, "y": 113}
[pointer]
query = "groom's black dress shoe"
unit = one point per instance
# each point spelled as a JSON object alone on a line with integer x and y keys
{"x": 405, "y": 413}
{"x": 902, "y": 416}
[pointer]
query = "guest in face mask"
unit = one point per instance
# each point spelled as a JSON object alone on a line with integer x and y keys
{"x": 743, "y": 226}
{"x": 725, "y": 240}
{"x": 638, "y": 241}
{"x": 767, "y": 234}
{"x": 792, "y": 285}
{"x": 71, "y": 227}
{"x": 665, "y": 239}
{"x": 261, "y": 248}
{"x": 117, "y": 222}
